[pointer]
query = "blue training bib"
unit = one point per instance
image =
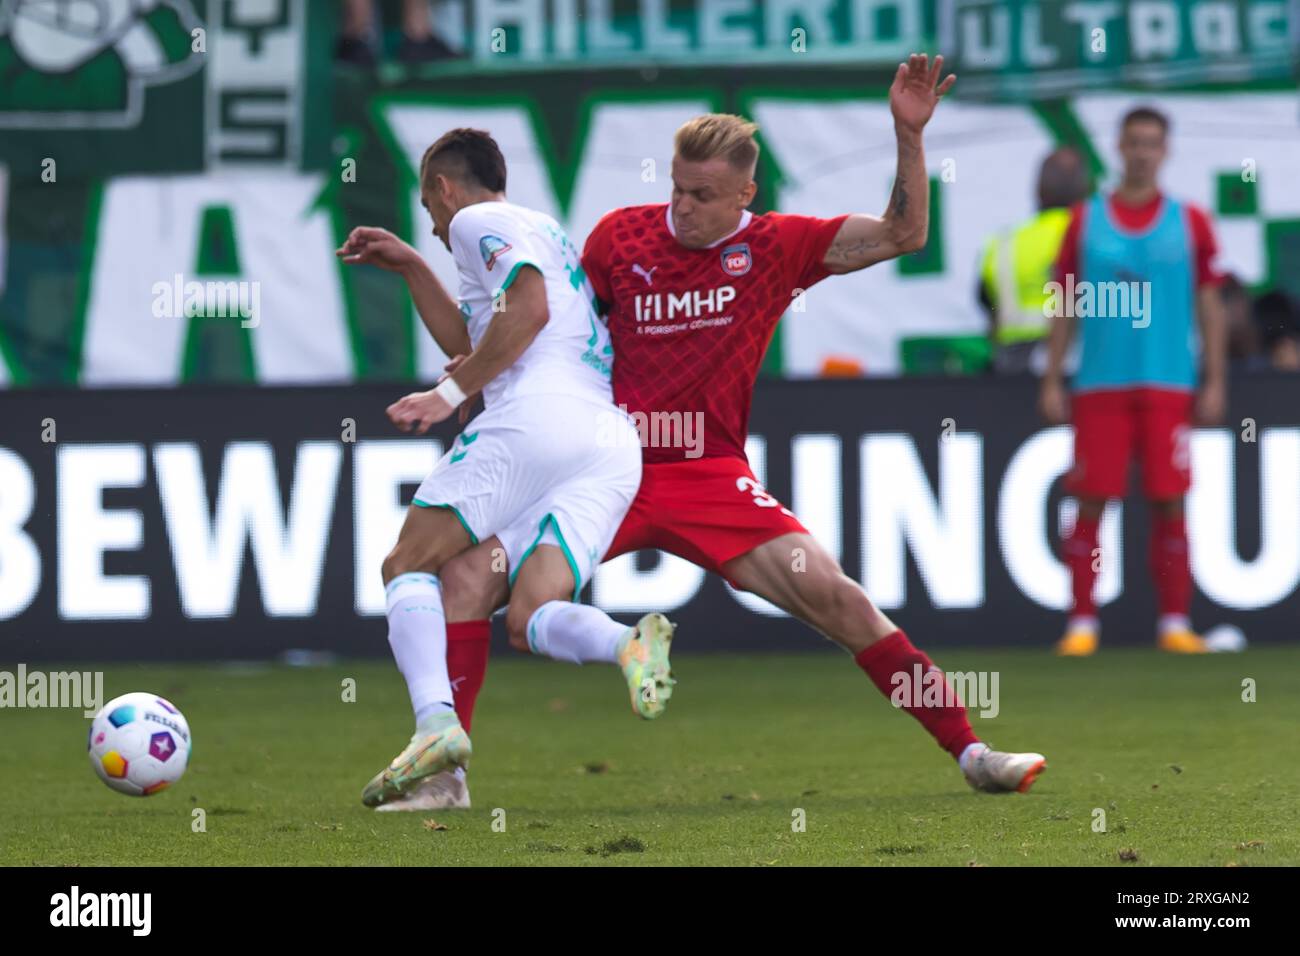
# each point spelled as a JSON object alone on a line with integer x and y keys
{"x": 1142, "y": 326}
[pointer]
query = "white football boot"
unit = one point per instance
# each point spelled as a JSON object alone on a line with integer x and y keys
{"x": 441, "y": 791}
{"x": 993, "y": 771}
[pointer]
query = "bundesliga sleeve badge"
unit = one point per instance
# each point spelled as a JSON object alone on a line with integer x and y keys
{"x": 736, "y": 260}
{"x": 491, "y": 247}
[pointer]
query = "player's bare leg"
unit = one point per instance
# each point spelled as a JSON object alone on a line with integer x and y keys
{"x": 824, "y": 597}
{"x": 476, "y": 582}
{"x": 417, "y": 632}
{"x": 542, "y": 619}
{"x": 1082, "y": 632}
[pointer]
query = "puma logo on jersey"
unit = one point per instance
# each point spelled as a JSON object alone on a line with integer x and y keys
{"x": 640, "y": 270}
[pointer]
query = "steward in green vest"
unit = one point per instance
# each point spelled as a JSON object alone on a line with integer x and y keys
{"x": 1018, "y": 263}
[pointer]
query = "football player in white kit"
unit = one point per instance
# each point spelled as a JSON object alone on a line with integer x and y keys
{"x": 550, "y": 467}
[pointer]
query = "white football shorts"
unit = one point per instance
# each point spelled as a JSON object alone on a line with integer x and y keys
{"x": 541, "y": 469}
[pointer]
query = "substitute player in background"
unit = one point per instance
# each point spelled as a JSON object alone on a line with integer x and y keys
{"x": 532, "y": 472}
{"x": 1135, "y": 392}
{"x": 695, "y": 288}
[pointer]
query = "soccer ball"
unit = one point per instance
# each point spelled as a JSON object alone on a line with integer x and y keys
{"x": 139, "y": 744}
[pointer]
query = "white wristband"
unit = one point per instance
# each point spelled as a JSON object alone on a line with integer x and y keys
{"x": 450, "y": 392}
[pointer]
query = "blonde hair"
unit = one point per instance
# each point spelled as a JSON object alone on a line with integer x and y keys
{"x": 719, "y": 134}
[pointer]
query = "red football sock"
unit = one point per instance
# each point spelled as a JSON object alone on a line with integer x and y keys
{"x": 1170, "y": 569}
{"x": 467, "y": 657}
{"x": 1078, "y": 552}
{"x": 894, "y": 654}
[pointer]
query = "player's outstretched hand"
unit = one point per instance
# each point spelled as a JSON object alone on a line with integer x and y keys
{"x": 372, "y": 246}
{"x": 916, "y": 91}
{"x": 419, "y": 411}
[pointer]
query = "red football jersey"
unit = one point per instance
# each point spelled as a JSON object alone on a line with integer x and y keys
{"x": 690, "y": 326}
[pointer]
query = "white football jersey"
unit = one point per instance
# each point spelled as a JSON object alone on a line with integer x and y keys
{"x": 491, "y": 241}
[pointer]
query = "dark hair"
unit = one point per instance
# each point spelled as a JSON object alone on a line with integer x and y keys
{"x": 1275, "y": 316}
{"x": 1232, "y": 290}
{"x": 1145, "y": 114}
{"x": 471, "y": 155}
{"x": 1063, "y": 179}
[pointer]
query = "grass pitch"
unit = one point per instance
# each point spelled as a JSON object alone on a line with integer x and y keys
{"x": 1186, "y": 772}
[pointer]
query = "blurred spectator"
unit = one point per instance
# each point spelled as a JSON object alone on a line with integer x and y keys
{"x": 1278, "y": 318}
{"x": 1018, "y": 263}
{"x": 419, "y": 43}
{"x": 1243, "y": 334}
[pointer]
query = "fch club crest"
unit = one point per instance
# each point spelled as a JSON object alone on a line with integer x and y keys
{"x": 736, "y": 260}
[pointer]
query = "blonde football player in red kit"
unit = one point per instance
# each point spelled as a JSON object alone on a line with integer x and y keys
{"x": 694, "y": 289}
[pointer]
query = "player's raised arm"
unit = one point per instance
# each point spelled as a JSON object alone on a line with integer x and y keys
{"x": 368, "y": 245}
{"x": 864, "y": 240}
{"x": 522, "y": 315}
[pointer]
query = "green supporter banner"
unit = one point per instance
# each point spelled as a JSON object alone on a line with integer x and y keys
{"x": 99, "y": 273}
{"x": 84, "y": 254}
{"x": 102, "y": 249}
{"x": 165, "y": 86}
{"x": 504, "y": 34}
{"x": 1019, "y": 49}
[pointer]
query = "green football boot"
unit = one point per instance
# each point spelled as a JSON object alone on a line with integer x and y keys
{"x": 437, "y": 745}
{"x": 643, "y": 656}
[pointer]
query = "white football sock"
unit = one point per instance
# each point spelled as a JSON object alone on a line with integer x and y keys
{"x": 574, "y": 632}
{"x": 1082, "y": 623}
{"x": 969, "y": 753}
{"x": 417, "y": 632}
{"x": 1174, "y": 622}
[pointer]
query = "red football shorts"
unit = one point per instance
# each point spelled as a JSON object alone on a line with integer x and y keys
{"x": 1113, "y": 427}
{"x": 706, "y": 510}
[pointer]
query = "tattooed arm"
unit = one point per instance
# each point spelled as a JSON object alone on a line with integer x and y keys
{"x": 864, "y": 240}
